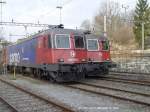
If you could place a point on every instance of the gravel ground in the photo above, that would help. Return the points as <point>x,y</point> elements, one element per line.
<point>84,101</point>
<point>25,102</point>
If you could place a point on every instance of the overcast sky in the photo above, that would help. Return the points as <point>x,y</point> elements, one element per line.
<point>74,12</point>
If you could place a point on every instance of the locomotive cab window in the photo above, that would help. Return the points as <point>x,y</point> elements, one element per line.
<point>49,41</point>
<point>92,45</point>
<point>105,45</point>
<point>44,42</point>
<point>62,41</point>
<point>79,41</point>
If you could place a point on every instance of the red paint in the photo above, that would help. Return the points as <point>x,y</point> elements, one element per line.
<point>52,56</point>
<point>70,56</point>
<point>100,55</point>
<point>43,53</point>
<point>106,56</point>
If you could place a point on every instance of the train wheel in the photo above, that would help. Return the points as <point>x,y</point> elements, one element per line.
<point>35,73</point>
<point>39,73</point>
<point>51,77</point>
<point>107,71</point>
<point>85,73</point>
<point>45,74</point>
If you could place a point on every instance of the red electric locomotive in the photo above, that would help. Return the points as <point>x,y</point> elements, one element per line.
<point>98,55</point>
<point>59,55</point>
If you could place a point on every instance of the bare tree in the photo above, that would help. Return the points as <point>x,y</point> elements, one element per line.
<point>112,11</point>
<point>119,30</point>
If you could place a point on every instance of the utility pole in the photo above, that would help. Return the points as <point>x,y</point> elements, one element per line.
<point>105,25</point>
<point>105,18</point>
<point>60,16</point>
<point>1,35</point>
<point>125,9</point>
<point>125,12</point>
<point>1,2</point>
<point>143,38</point>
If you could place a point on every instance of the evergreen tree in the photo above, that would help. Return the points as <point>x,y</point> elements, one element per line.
<point>142,14</point>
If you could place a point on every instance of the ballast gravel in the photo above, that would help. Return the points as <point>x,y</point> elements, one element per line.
<point>82,101</point>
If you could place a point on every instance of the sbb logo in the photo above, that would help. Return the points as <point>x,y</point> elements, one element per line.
<point>14,58</point>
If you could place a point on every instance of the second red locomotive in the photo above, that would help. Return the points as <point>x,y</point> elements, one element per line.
<point>98,55</point>
<point>60,55</point>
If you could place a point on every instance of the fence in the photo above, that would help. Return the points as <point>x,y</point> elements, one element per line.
<point>132,61</point>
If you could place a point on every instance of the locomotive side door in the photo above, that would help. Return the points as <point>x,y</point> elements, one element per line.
<point>79,46</point>
<point>44,50</point>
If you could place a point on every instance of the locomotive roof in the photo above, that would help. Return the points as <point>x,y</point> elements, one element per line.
<point>49,31</point>
<point>59,31</point>
<point>93,36</point>
<point>65,31</point>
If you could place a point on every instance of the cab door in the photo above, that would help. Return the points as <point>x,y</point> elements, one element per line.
<point>80,49</point>
<point>44,50</point>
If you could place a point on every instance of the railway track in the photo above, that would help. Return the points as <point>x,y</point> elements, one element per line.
<point>5,107</point>
<point>130,74</point>
<point>23,100</point>
<point>136,97</point>
<point>125,79</point>
<point>134,76</point>
<point>126,95</point>
<point>122,80</point>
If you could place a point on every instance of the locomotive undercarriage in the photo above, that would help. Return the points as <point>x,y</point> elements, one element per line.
<point>98,68</point>
<point>64,72</point>
<point>54,72</point>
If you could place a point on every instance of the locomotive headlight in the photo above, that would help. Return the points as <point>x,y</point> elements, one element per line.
<point>107,59</point>
<point>91,59</point>
<point>83,60</point>
<point>61,60</point>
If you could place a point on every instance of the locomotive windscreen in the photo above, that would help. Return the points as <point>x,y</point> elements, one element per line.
<point>92,44</point>
<point>79,42</point>
<point>105,45</point>
<point>62,41</point>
